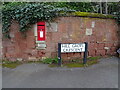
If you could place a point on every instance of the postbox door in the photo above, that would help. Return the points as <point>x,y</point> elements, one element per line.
<point>41,31</point>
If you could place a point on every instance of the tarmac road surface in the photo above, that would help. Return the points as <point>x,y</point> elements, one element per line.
<point>101,75</point>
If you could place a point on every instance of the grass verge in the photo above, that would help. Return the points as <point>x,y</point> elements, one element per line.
<point>10,64</point>
<point>74,65</point>
<point>90,61</point>
<point>14,64</point>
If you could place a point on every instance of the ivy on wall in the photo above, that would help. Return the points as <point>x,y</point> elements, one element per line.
<point>28,13</point>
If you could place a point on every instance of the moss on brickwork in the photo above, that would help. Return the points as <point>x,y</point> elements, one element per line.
<point>87,14</point>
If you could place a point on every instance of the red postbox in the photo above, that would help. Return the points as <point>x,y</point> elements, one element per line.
<point>41,31</point>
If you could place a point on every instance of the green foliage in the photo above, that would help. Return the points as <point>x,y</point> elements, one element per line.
<point>74,65</point>
<point>114,9</point>
<point>94,58</point>
<point>34,61</point>
<point>50,60</point>
<point>28,13</point>
<point>81,6</point>
<point>80,64</point>
<point>117,13</point>
<point>11,64</point>
<point>77,64</point>
<point>78,6</point>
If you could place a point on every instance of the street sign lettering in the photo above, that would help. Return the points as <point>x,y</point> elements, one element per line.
<point>80,47</point>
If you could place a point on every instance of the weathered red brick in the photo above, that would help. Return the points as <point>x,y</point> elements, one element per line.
<point>31,42</point>
<point>100,46</point>
<point>34,53</point>
<point>108,52</point>
<point>93,38</point>
<point>101,52</point>
<point>113,49</point>
<point>108,44</point>
<point>48,54</point>
<point>105,31</point>
<point>30,32</point>
<point>92,45</point>
<point>8,55</point>
<point>69,54</point>
<point>64,56</point>
<point>92,52</point>
<point>76,55</point>
<point>56,37</point>
<point>40,53</point>
<point>115,44</point>
<point>54,54</point>
<point>82,55</point>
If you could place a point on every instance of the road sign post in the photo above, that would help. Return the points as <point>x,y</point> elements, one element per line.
<point>59,54</point>
<point>85,53</point>
<point>72,47</point>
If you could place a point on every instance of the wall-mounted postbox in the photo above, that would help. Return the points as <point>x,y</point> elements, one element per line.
<point>41,31</point>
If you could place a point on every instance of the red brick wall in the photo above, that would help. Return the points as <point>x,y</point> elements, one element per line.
<point>103,41</point>
<point>0,42</point>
